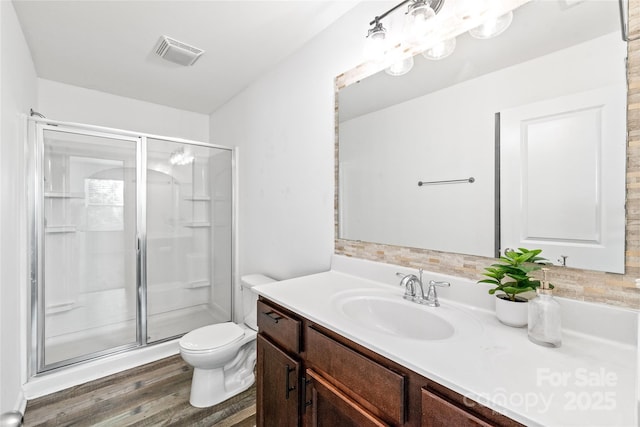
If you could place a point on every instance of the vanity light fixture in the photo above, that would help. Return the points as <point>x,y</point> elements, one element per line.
<point>492,27</point>
<point>418,20</point>
<point>400,68</point>
<point>376,42</point>
<point>440,50</point>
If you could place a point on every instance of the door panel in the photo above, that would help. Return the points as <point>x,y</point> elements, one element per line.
<point>87,291</point>
<point>331,407</point>
<point>561,191</point>
<point>277,390</point>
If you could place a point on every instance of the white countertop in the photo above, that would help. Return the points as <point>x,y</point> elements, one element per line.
<point>589,381</point>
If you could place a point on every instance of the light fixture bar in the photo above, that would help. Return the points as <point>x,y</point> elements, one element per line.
<point>436,5</point>
<point>384,15</point>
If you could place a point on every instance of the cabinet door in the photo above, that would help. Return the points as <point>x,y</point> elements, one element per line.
<point>329,407</point>
<point>278,391</point>
<point>355,374</point>
<point>439,412</point>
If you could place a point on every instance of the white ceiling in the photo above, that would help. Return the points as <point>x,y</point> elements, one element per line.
<point>108,45</point>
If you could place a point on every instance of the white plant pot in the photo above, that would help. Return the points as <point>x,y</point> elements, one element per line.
<point>512,313</point>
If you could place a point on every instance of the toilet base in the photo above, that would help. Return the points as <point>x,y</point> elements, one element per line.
<point>200,398</point>
<point>212,386</point>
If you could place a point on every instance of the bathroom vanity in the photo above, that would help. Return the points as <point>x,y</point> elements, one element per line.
<point>339,349</point>
<point>309,375</point>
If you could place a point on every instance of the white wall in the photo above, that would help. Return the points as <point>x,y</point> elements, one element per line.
<point>59,101</point>
<point>422,140</point>
<point>18,94</point>
<point>284,126</point>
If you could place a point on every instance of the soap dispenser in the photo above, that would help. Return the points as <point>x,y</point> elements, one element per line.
<point>544,316</point>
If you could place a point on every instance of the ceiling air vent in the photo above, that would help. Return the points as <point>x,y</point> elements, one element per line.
<point>178,52</point>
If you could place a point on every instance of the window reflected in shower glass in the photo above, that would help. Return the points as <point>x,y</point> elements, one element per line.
<point>105,204</point>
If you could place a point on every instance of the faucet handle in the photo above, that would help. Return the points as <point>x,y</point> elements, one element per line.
<point>431,299</point>
<point>439,284</point>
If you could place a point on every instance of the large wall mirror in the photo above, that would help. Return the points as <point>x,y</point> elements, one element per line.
<point>536,117</point>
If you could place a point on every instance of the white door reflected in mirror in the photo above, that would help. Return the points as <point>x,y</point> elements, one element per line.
<point>561,191</point>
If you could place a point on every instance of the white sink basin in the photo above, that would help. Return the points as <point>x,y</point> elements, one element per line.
<point>395,316</point>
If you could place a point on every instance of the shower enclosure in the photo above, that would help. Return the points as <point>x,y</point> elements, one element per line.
<point>131,240</point>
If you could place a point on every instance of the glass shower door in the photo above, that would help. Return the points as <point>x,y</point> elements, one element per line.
<point>87,291</point>
<point>188,244</point>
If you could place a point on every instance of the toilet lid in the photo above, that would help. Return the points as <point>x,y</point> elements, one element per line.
<point>212,336</point>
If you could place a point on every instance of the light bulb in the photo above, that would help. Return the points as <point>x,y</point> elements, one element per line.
<point>418,20</point>
<point>401,67</point>
<point>440,50</point>
<point>376,43</point>
<point>492,27</point>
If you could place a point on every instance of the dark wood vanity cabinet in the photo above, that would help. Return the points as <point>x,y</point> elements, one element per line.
<point>279,368</point>
<point>312,377</point>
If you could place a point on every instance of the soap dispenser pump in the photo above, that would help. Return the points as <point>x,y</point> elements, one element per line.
<point>544,316</point>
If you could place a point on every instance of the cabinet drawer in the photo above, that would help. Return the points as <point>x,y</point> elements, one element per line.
<point>378,389</point>
<point>443,407</point>
<point>279,326</point>
<point>439,412</point>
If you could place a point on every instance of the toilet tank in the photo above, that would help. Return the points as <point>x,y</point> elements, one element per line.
<point>250,298</point>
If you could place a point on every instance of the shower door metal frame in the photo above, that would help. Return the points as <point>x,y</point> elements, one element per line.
<point>37,126</point>
<point>36,275</point>
<point>141,242</point>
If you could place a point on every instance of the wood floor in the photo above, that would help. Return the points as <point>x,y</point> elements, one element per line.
<point>156,394</point>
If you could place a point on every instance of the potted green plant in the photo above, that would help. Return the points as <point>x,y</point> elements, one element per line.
<point>511,276</point>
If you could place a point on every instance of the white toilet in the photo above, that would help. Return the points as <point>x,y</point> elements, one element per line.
<point>223,355</point>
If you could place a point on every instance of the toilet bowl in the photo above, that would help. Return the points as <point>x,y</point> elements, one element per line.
<point>223,355</point>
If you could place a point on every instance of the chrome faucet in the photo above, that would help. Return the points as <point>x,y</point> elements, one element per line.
<point>431,299</point>
<point>409,282</point>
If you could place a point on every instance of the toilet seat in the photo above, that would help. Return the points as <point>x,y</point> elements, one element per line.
<point>211,337</point>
